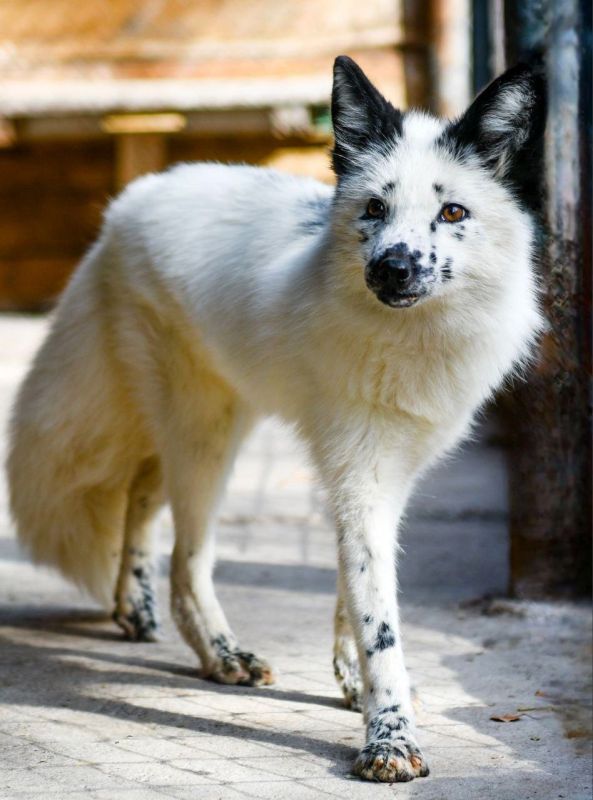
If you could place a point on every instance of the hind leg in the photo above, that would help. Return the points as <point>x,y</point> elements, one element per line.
<point>346,663</point>
<point>198,452</point>
<point>135,602</point>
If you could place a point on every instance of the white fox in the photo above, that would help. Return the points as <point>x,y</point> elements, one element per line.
<point>375,316</point>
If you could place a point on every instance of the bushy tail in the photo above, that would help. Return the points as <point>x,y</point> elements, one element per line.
<point>76,530</point>
<point>64,438</point>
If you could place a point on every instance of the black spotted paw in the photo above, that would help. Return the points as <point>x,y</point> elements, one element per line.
<point>135,607</point>
<point>391,761</point>
<point>231,665</point>
<point>138,624</point>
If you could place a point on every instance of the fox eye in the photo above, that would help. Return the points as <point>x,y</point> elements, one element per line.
<point>375,208</point>
<point>453,213</point>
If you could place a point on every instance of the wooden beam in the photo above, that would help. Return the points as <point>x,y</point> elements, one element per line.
<point>451,36</point>
<point>208,122</point>
<point>415,50</point>
<point>137,154</point>
<point>7,133</point>
<point>144,123</point>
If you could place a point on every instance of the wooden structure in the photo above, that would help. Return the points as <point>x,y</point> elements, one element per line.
<point>93,94</point>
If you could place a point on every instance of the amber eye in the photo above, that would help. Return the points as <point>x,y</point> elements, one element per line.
<point>453,213</point>
<point>375,208</point>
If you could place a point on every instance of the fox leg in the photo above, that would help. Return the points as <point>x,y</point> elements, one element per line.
<point>135,602</point>
<point>346,664</point>
<point>367,563</point>
<point>198,453</point>
<point>368,473</point>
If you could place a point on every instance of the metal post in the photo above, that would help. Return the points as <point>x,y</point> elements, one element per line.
<point>550,465</point>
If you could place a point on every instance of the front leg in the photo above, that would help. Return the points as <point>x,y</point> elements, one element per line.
<point>367,560</point>
<point>368,499</point>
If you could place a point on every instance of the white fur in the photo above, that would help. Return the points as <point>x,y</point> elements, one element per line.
<point>207,302</point>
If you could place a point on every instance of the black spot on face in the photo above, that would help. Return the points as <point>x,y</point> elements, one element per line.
<point>433,257</point>
<point>363,567</point>
<point>367,619</point>
<point>459,236</point>
<point>438,188</point>
<point>433,226</point>
<point>426,274</point>
<point>446,269</point>
<point>389,187</point>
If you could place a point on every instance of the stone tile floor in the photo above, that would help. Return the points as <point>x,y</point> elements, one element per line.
<point>85,714</point>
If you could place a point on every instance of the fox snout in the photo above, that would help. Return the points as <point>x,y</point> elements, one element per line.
<point>397,276</point>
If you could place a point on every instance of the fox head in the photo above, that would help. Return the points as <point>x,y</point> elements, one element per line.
<point>437,209</point>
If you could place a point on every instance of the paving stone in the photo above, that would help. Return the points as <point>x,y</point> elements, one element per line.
<point>228,770</point>
<point>154,772</point>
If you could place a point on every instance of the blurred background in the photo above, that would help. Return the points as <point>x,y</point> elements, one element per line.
<point>93,94</point>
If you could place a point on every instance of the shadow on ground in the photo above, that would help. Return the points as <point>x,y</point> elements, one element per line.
<point>497,663</point>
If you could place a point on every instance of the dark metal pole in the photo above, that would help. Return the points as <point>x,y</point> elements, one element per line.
<point>550,467</point>
<point>481,38</point>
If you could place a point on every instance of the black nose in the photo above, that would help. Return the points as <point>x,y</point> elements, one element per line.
<point>395,270</point>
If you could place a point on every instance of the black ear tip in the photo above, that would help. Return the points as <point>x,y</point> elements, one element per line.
<point>345,64</point>
<point>532,71</point>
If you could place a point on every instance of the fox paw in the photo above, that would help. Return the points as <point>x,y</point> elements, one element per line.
<point>232,665</point>
<point>135,608</point>
<point>391,752</point>
<point>391,761</point>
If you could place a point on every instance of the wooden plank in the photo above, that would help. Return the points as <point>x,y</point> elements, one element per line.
<point>416,19</point>
<point>51,202</point>
<point>144,123</point>
<point>137,154</point>
<point>451,36</point>
<point>33,284</point>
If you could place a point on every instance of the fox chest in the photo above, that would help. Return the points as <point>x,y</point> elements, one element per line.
<point>432,385</point>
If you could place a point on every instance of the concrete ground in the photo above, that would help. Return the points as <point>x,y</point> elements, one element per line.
<point>85,714</point>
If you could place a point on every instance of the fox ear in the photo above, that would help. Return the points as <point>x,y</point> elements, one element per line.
<point>362,118</point>
<point>505,123</point>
